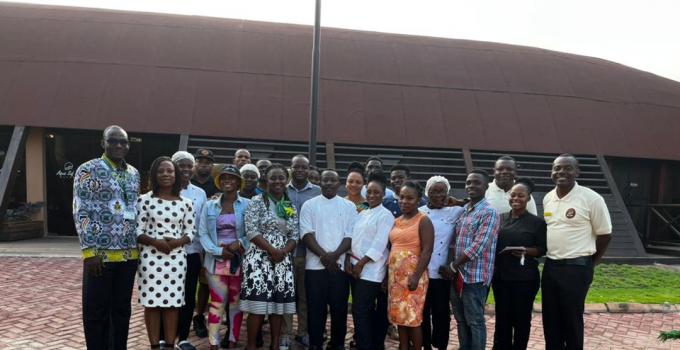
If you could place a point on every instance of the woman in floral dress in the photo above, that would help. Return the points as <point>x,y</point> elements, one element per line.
<point>268,286</point>
<point>412,238</point>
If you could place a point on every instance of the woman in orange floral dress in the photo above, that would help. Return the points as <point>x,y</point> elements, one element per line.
<point>412,238</point>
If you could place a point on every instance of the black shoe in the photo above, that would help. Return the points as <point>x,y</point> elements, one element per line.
<point>199,326</point>
<point>184,345</point>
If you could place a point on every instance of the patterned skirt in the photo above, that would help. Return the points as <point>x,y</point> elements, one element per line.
<point>405,307</point>
<point>267,288</point>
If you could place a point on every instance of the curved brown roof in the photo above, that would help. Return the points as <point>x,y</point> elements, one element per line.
<point>86,68</point>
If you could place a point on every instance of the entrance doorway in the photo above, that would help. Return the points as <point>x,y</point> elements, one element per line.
<point>66,149</point>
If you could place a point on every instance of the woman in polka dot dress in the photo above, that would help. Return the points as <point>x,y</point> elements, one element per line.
<point>165,224</point>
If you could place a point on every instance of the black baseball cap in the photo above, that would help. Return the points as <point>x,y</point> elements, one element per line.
<point>204,153</point>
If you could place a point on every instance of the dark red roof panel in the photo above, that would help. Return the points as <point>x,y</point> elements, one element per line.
<point>87,68</point>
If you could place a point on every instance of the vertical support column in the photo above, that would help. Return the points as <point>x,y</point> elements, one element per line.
<point>35,172</point>
<point>330,154</point>
<point>183,142</point>
<point>467,156</point>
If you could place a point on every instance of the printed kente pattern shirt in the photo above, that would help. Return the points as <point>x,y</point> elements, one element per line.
<point>475,236</point>
<point>104,210</point>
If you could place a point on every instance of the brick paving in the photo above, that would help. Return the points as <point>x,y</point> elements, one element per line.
<point>40,309</point>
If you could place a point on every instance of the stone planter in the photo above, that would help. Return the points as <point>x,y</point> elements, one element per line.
<point>18,230</point>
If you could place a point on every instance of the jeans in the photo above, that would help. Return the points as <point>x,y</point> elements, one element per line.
<point>468,310</point>
<point>107,305</point>
<point>437,314</point>
<point>564,289</point>
<point>370,315</point>
<point>326,289</point>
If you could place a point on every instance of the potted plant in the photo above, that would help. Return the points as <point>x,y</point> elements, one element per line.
<point>17,223</point>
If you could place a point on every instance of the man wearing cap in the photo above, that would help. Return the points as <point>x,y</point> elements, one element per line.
<point>498,193</point>
<point>241,157</point>
<point>579,231</point>
<point>203,179</point>
<point>105,193</point>
<point>185,162</point>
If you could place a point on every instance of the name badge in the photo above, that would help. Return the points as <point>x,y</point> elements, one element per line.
<point>547,214</point>
<point>129,215</point>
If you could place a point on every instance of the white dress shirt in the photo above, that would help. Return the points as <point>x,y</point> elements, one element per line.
<point>197,196</point>
<point>330,220</point>
<point>444,221</point>
<point>369,238</point>
<point>500,200</point>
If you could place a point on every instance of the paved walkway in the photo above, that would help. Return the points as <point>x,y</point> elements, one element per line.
<point>40,309</point>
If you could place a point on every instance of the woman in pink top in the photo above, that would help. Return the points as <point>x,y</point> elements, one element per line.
<point>412,238</point>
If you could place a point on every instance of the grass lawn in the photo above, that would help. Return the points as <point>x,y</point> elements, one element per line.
<point>631,284</point>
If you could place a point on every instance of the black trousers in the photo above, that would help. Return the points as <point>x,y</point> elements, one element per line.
<point>437,314</point>
<point>514,304</point>
<point>186,313</point>
<point>106,306</point>
<point>370,315</point>
<point>564,289</point>
<point>327,289</point>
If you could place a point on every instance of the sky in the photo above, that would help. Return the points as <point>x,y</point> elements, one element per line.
<point>641,34</point>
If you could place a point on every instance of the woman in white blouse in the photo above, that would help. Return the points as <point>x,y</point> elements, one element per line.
<point>436,314</point>
<point>366,263</point>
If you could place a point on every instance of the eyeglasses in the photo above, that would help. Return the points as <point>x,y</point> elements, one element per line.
<point>113,142</point>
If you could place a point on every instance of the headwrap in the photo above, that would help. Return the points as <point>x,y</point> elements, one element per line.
<point>181,155</point>
<point>437,180</point>
<point>250,167</point>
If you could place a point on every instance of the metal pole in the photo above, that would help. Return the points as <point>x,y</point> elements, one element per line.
<point>314,98</point>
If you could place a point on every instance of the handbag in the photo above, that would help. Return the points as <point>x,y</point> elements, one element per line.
<point>231,267</point>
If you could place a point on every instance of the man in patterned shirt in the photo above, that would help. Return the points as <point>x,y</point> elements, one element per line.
<point>472,262</point>
<point>105,193</point>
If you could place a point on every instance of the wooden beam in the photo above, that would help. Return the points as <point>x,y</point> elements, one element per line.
<point>15,154</point>
<point>637,242</point>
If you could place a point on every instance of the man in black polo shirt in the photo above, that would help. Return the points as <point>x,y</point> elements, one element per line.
<point>202,178</point>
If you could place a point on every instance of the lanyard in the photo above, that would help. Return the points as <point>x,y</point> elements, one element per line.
<point>119,175</point>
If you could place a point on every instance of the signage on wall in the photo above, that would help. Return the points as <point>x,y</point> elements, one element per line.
<point>66,172</point>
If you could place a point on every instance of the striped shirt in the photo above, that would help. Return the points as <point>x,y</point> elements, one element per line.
<point>476,233</point>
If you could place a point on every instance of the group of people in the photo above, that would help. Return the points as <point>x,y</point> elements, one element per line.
<point>266,241</point>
